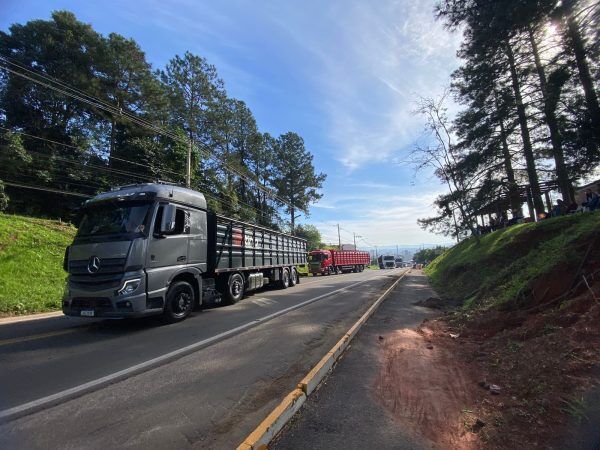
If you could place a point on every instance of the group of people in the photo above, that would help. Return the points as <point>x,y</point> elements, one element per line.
<point>590,203</point>
<point>500,222</point>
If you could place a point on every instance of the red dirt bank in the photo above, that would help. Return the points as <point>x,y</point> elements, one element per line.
<point>544,359</point>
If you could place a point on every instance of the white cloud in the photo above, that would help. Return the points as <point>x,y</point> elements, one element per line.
<point>387,219</point>
<point>374,59</point>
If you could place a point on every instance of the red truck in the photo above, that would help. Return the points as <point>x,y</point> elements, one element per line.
<point>330,262</point>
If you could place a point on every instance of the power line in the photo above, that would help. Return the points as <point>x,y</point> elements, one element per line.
<point>38,188</point>
<point>119,172</point>
<point>80,148</point>
<point>98,103</point>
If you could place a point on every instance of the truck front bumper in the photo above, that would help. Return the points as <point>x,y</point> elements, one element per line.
<point>108,303</point>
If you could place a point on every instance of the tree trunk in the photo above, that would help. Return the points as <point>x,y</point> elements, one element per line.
<point>591,99</point>
<point>527,147</point>
<point>564,183</point>
<point>513,191</point>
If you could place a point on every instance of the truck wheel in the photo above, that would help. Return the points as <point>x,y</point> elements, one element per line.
<point>180,302</point>
<point>294,277</point>
<point>234,291</point>
<point>285,279</point>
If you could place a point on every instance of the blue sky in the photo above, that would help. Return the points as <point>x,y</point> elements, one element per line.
<point>343,74</point>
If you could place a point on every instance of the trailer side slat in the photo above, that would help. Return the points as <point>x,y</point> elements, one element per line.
<point>243,246</point>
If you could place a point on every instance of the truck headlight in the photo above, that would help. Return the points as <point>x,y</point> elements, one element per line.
<point>129,287</point>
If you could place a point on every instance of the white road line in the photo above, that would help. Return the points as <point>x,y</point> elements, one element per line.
<point>44,402</point>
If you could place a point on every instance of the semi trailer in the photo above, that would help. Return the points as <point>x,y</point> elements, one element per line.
<point>329,262</point>
<point>155,249</point>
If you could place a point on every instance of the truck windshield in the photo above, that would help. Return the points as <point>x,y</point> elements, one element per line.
<point>317,257</point>
<point>388,258</point>
<point>112,218</point>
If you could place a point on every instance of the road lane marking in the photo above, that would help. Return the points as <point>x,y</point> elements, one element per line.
<point>50,400</point>
<point>35,337</point>
<point>274,422</point>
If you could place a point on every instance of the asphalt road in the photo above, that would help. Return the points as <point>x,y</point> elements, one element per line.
<point>212,397</point>
<point>345,411</point>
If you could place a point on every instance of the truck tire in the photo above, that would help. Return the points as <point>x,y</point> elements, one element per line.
<point>355,269</point>
<point>179,303</point>
<point>294,277</point>
<point>234,291</point>
<point>284,282</point>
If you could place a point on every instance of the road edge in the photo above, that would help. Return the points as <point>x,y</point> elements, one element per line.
<point>262,435</point>
<point>28,317</point>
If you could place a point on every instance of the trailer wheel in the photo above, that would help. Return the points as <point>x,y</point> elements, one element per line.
<point>285,279</point>
<point>294,277</point>
<point>180,302</point>
<point>234,290</point>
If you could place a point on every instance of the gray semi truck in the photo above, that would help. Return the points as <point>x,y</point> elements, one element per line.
<point>155,249</point>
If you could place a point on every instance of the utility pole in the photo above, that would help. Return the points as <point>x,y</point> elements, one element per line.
<point>397,254</point>
<point>188,167</point>
<point>355,236</point>
<point>339,238</point>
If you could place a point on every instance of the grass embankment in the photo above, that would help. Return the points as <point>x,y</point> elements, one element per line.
<point>31,257</point>
<point>504,265</point>
<point>528,321</point>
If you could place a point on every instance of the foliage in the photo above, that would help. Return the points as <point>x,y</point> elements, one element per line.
<point>311,234</point>
<point>125,122</point>
<point>506,262</point>
<point>528,85</point>
<point>32,250</point>
<point>426,255</point>
<point>3,198</point>
<point>295,178</point>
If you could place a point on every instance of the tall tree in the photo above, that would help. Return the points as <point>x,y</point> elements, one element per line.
<point>295,179</point>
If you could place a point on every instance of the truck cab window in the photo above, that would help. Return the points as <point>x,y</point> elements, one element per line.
<point>182,221</point>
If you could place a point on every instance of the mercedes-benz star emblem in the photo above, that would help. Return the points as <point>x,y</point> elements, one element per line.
<point>93,264</point>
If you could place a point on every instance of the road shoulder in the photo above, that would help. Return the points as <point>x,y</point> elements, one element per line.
<point>366,402</point>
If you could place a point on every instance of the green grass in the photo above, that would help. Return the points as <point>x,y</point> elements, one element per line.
<point>31,255</point>
<point>505,263</point>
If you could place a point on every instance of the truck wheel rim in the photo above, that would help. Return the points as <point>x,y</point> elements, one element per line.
<point>236,288</point>
<point>181,303</point>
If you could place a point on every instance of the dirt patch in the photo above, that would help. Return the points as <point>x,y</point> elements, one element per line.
<point>544,362</point>
<point>437,303</point>
<point>496,378</point>
<point>426,389</point>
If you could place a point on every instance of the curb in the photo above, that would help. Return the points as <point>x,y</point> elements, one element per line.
<point>260,438</point>
<point>29,317</point>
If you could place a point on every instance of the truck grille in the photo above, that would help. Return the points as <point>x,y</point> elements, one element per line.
<point>96,303</point>
<point>108,276</point>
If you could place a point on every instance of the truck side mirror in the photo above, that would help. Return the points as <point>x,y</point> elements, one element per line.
<point>167,223</point>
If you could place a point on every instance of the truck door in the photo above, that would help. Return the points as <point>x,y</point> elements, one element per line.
<point>167,251</point>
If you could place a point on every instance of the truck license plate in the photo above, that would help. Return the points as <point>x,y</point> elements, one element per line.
<point>87,312</point>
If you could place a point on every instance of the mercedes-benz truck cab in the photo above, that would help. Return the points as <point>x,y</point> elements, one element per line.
<point>155,249</point>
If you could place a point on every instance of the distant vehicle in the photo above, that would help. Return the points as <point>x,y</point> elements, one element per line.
<point>398,262</point>
<point>386,261</point>
<point>155,248</point>
<point>330,262</point>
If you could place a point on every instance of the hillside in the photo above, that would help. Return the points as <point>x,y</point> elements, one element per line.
<point>526,318</point>
<point>509,264</point>
<point>31,257</point>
